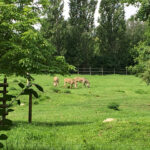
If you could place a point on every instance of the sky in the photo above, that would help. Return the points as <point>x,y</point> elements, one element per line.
<point>131,10</point>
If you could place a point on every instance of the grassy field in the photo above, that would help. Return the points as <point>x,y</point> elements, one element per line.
<point>72,119</point>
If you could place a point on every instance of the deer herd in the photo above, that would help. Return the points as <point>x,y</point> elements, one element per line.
<point>72,82</point>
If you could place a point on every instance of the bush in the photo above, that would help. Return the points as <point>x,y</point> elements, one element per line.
<point>113,106</point>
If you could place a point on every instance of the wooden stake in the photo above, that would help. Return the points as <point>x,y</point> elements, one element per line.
<point>30,108</point>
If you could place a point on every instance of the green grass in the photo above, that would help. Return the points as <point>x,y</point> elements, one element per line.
<point>72,119</point>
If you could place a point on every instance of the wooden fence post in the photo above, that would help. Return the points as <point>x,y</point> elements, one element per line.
<point>3,99</point>
<point>114,71</point>
<point>102,71</point>
<point>90,70</point>
<point>30,108</point>
<point>78,71</point>
<point>126,71</point>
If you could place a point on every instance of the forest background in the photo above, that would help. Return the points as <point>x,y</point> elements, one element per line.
<point>114,42</point>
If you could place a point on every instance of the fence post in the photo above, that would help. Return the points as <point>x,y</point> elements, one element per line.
<point>30,108</point>
<point>90,70</point>
<point>102,71</point>
<point>114,71</point>
<point>78,71</point>
<point>126,71</point>
<point>3,99</point>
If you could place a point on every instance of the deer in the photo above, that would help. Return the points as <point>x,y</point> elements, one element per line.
<point>85,82</point>
<point>69,81</point>
<point>55,81</point>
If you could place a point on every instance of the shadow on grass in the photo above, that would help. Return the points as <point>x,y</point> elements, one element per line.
<point>49,124</point>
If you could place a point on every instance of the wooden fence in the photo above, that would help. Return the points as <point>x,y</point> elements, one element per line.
<point>3,99</point>
<point>102,71</point>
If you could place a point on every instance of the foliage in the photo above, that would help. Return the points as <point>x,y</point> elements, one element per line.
<point>142,51</point>
<point>23,48</point>
<point>53,26</point>
<point>135,30</point>
<point>28,88</point>
<point>79,38</point>
<point>111,34</point>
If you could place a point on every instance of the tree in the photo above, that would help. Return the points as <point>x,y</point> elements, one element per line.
<point>142,50</point>
<point>53,26</point>
<point>79,39</point>
<point>135,33</point>
<point>23,48</point>
<point>111,33</point>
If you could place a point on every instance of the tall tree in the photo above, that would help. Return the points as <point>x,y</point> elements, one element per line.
<point>53,26</point>
<point>135,30</point>
<point>79,39</point>
<point>111,33</point>
<point>135,33</point>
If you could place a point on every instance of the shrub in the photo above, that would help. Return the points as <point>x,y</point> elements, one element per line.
<point>113,106</point>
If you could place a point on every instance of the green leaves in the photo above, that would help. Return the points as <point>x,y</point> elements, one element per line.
<point>18,102</point>
<point>3,137</point>
<point>10,110</point>
<point>111,34</point>
<point>1,145</point>
<point>34,93</point>
<point>39,87</point>
<point>21,85</point>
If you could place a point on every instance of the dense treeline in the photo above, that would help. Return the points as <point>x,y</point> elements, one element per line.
<point>115,42</point>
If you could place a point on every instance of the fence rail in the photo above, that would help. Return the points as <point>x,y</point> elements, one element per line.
<point>102,71</point>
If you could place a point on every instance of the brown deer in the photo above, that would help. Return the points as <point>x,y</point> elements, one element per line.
<point>55,81</point>
<point>85,82</point>
<point>69,81</point>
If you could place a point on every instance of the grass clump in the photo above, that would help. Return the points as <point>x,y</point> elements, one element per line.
<point>55,90</point>
<point>140,91</point>
<point>36,102</point>
<point>67,91</point>
<point>15,80</point>
<point>114,106</point>
<point>42,98</point>
<point>12,88</point>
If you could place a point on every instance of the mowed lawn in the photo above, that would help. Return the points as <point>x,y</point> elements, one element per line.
<point>72,119</point>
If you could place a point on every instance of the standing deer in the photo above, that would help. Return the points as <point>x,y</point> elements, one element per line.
<point>55,81</point>
<point>85,82</point>
<point>69,81</point>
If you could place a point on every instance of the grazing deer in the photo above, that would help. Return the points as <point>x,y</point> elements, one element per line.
<point>85,82</point>
<point>55,81</point>
<point>69,81</point>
